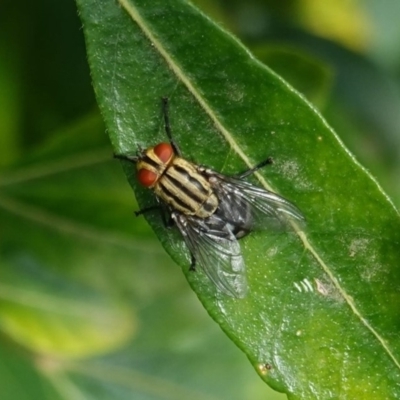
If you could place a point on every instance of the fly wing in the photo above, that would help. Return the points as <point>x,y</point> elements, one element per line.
<point>216,251</point>
<point>250,207</point>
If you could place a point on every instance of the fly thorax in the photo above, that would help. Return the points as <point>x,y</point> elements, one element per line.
<point>186,190</point>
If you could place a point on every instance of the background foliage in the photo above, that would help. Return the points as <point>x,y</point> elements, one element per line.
<point>85,310</point>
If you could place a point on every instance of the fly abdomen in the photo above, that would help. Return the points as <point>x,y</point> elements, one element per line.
<point>186,190</point>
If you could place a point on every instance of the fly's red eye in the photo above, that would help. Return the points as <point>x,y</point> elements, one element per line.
<point>164,152</point>
<point>146,177</point>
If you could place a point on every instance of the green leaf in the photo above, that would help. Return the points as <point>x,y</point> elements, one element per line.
<point>321,318</point>
<point>19,379</point>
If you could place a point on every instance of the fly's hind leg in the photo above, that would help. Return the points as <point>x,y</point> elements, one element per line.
<point>192,263</point>
<point>250,171</point>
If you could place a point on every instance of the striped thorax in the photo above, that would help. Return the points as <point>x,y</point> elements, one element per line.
<point>176,181</point>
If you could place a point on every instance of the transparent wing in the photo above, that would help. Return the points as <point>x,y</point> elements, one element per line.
<point>250,207</point>
<point>216,252</point>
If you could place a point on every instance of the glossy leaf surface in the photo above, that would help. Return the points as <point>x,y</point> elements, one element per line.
<point>321,319</point>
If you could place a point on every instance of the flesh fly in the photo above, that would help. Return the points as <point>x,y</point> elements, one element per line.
<point>212,211</point>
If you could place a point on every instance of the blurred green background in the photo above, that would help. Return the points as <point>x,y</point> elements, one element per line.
<point>90,305</point>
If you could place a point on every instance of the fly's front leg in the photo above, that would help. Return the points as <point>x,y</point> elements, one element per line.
<point>165,103</point>
<point>132,159</point>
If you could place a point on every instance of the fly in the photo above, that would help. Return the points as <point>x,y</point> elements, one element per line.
<point>212,211</point>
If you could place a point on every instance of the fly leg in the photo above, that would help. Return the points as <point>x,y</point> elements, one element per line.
<point>147,209</point>
<point>167,222</point>
<point>192,263</point>
<point>165,103</point>
<point>250,171</point>
<point>132,159</point>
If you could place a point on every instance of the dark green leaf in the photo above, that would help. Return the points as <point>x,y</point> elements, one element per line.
<point>50,299</point>
<point>19,378</point>
<point>321,319</point>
